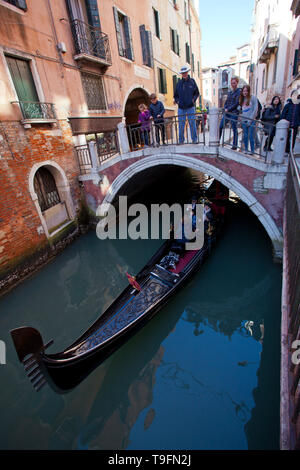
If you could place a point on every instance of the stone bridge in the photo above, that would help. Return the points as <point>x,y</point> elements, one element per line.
<point>260,184</point>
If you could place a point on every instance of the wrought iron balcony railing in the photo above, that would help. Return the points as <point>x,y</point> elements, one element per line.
<point>269,43</point>
<point>91,42</point>
<point>36,111</point>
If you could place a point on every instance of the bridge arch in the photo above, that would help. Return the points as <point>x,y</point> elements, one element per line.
<point>189,162</point>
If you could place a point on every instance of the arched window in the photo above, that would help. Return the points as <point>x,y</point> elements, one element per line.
<point>45,188</point>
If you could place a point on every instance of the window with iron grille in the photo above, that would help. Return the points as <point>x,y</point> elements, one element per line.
<point>93,90</point>
<point>45,188</point>
<point>18,3</point>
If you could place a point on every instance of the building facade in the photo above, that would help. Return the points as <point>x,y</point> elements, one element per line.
<point>270,47</point>
<point>238,66</point>
<point>70,71</point>
<point>210,87</point>
<point>176,42</point>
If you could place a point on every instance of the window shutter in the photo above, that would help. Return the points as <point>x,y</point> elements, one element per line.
<point>295,66</point>
<point>21,4</point>
<point>175,80</point>
<point>193,62</point>
<point>144,45</point>
<point>177,44</point>
<point>129,47</point>
<point>157,23</point>
<point>69,8</point>
<point>150,49</point>
<point>164,81</point>
<point>93,13</point>
<point>118,32</point>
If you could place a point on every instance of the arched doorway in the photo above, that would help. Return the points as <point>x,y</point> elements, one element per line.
<point>136,97</point>
<point>50,191</point>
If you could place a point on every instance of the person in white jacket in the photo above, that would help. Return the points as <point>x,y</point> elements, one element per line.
<point>248,108</point>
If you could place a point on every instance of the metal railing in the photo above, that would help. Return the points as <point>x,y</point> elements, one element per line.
<point>250,136</point>
<point>84,159</point>
<point>292,237</point>
<point>107,145</point>
<point>91,41</point>
<point>36,110</point>
<point>173,130</point>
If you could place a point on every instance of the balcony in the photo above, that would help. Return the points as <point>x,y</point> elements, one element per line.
<point>91,44</point>
<point>270,43</point>
<point>36,112</point>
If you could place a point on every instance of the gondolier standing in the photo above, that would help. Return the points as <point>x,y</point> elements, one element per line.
<point>186,95</point>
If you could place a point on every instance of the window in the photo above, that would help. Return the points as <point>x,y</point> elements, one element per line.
<point>162,82</point>
<point>193,63</point>
<point>156,23</point>
<point>174,39</point>
<point>175,79</point>
<point>93,90</point>
<point>198,63</point>
<point>263,81</point>
<point>296,62</point>
<point>22,78</point>
<point>147,51</point>
<point>124,38</point>
<point>187,53</point>
<point>275,67</point>
<point>18,3</point>
<point>185,11</point>
<point>45,188</point>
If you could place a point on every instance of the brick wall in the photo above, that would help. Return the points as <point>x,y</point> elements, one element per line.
<point>20,149</point>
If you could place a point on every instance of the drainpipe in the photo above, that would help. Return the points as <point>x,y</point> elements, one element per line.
<point>58,52</point>
<point>190,34</point>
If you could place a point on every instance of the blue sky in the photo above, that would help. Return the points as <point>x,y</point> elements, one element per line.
<point>225,25</point>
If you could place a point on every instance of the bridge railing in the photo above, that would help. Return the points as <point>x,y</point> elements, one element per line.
<point>174,130</point>
<point>290,370</point>
<point>236,132</point>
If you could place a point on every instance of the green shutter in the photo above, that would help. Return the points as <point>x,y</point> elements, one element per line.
<point>129,46</point>
<point>22,79</point>
<point>177,44</point>
<point>118,32</point>
<point>164,81</point>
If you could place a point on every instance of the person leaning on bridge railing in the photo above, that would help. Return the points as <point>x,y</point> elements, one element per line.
<point>291,112</point>
<point>248,105</point>
<point>270,117</point>
<point>186,95</point>
<point>157,111</point>
<point>231,110</point>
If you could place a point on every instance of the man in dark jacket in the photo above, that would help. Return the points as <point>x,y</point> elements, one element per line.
<point>291,112</point>
<point>231,110</point>
<point>157,111</point>
<point>186,94</point>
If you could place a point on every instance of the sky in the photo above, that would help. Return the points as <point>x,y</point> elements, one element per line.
<point>225,25</point>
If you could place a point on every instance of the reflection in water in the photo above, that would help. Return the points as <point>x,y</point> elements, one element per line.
<point>203,374</point>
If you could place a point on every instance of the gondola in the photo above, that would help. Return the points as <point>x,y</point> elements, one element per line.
<point>129,312</point>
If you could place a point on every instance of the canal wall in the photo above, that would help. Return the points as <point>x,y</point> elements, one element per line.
<point>24,227</point>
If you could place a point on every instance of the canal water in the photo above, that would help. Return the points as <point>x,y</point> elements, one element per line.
<point>203,374</point>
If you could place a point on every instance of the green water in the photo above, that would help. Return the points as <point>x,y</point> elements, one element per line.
<point>194,378</point>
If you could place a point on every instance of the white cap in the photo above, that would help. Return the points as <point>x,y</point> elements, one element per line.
<point>184,69</point>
